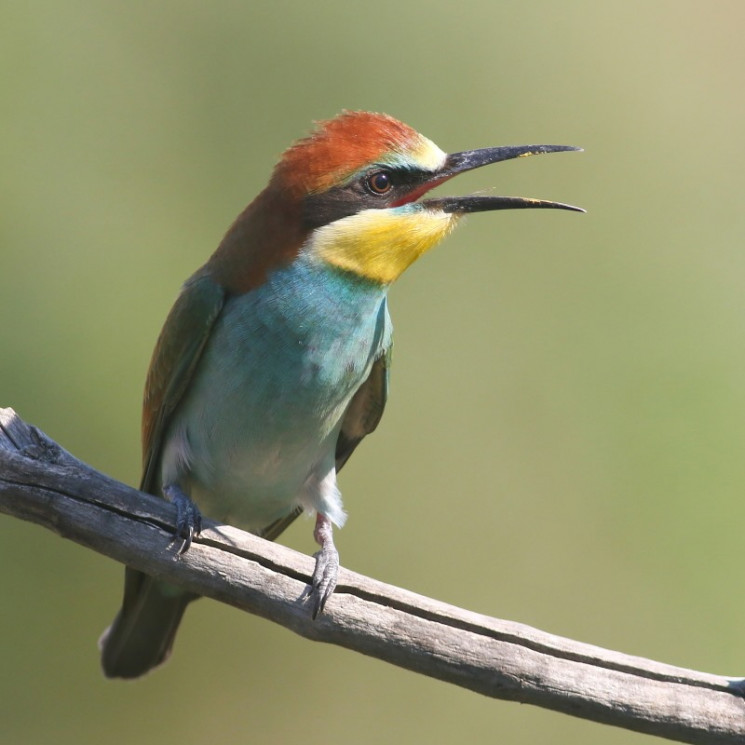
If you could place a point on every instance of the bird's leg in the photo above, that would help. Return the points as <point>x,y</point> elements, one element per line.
<point>188,516</point>
<point>327,564</point>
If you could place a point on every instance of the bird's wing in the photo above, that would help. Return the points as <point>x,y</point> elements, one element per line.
<point>175,358</point>
<point>365,409</point>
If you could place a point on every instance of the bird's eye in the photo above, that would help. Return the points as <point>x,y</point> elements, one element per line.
<point>379,182</point>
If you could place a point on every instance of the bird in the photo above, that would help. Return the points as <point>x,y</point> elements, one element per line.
<point>274,362</point>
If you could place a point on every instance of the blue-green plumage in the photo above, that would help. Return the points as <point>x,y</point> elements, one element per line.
<point>256,434</point>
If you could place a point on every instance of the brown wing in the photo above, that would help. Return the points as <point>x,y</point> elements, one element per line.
<point>365,409</point>
<point>175,358</point>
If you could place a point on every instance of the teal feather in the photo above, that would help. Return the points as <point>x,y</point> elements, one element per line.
<point>256,434</point>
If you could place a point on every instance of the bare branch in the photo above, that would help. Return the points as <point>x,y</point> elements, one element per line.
<point>41,482</point>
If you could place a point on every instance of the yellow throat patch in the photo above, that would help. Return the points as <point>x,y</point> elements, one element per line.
<point>380,245</point>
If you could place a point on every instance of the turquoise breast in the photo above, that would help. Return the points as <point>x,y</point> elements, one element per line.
<point>256,434</point>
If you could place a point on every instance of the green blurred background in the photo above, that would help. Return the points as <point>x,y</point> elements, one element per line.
<point>563,442</point>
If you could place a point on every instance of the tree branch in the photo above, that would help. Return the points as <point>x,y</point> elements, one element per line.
<point>42,483</point>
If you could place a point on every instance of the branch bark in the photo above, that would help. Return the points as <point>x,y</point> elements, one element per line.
<point>42,483</point>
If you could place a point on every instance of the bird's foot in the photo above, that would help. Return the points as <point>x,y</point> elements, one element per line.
<point>325,574</point>
<point>188,517</point>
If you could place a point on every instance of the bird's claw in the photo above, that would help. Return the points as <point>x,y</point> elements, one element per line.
<point>324,578</point>
<point>188,518</point>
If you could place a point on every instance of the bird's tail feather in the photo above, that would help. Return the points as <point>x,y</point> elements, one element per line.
<point>142,634</point>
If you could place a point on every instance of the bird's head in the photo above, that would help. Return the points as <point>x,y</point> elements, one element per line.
<point>349,194</point>
<point>359,177</point>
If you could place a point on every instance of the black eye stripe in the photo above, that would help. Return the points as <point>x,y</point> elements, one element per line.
<point>360,194</point>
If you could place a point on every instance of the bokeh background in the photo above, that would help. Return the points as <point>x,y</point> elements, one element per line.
<point>564,440</point>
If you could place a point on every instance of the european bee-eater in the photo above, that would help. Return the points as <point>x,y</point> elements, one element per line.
<point>273,364</point>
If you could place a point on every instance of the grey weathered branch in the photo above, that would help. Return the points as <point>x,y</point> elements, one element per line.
<point>41,482</point>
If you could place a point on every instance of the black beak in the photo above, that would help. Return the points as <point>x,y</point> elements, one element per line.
<point>469,159</point>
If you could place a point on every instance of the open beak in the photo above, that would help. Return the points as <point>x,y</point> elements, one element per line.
<point>469,159</point>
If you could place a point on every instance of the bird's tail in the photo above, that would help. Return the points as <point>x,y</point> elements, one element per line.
<point>142,634</point>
